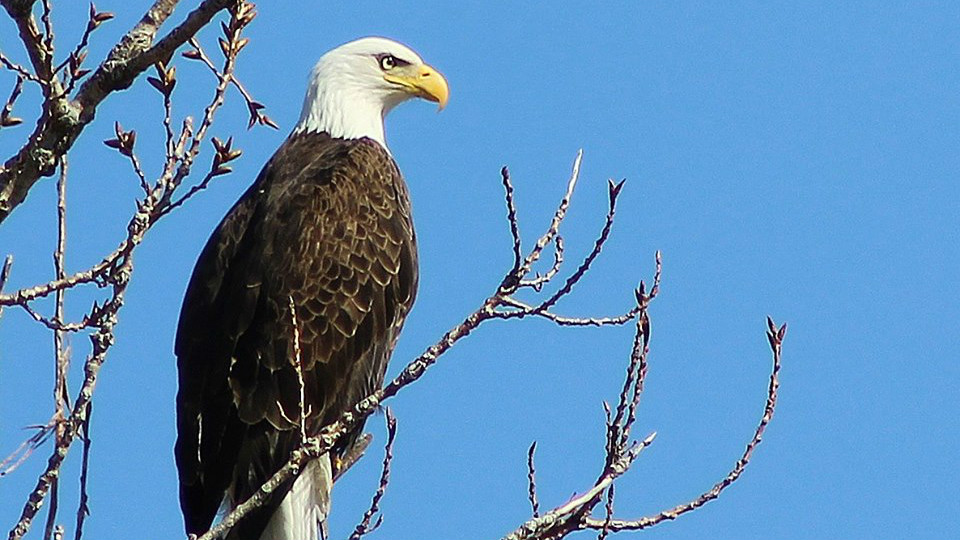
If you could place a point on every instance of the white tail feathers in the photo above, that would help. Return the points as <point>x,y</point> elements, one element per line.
<point>303,513</point>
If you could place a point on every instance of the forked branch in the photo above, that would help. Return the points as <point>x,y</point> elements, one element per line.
<point>574,515</point>
<point>67,117</point>
<point>775,336</point>
<point>71,419</point>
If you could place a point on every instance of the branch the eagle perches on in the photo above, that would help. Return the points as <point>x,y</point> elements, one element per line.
<point>71,96</point>
<point>621,449</point>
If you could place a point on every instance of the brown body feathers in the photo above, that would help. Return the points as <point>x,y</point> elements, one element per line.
<point>327,222</point>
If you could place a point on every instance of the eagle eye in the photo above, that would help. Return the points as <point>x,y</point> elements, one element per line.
<point>388,62</point>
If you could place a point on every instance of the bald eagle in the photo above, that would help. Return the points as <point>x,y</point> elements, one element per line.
<point>327,224</point>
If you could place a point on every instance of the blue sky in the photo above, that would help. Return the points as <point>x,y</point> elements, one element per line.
<point>799,161</point>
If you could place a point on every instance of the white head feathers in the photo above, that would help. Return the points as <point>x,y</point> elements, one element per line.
<point>354,86</point>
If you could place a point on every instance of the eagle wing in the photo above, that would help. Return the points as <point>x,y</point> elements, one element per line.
<point>326,224</point>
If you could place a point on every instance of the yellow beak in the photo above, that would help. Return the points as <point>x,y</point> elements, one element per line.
<point>422,81</point>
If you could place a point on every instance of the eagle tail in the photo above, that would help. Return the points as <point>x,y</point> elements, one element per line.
<point>302,515</point>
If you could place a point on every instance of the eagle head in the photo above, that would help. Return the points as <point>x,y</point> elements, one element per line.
<point>354,86</point>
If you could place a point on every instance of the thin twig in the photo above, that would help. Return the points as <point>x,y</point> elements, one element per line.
<point>618,432</point>
<point>199,54</point>
<point>655,290</point>
<point>59,352</point>
<point>39,54</point>
<point>539,281</point>
<point>76,57</point>
<point>169,144</point>
<point>92,274</point>
<point>83,508</point>
<point>190,154</point>
<point>253,106</point>
<point>532,480</point>
<point>58,253</point>
<point>512,280</point>
<point>608,513</point>
<point>5,119</point>
<point>135,162</point>
<point>613,192</point>
<point>298,366</point>
<point>616,424</point>
<point>23,451</point>
<point>202,185</point>
<point>4,276</point>
<point>525,310</point>
<point>84,40</point>
<point>364,526</point>
<point>638,357</point>
<point>54,323</point>
<point>52,509</point>
<point>21,71</point>
<point>512,218</point>
<point>47,28</point>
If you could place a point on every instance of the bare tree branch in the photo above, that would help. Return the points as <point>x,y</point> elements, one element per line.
<point>613,192</point>
<point>40,56</point>
<point>115,270</point>
<point>66,118</point>
<point>62,120</point>
<point>59,352</point>
<point>775,335</point>
<point>608,512</point>
<point>47,29</point>
<point>524,310</point>
<point>513,278</point>
<point>330,434</point>
<point>21,71</point>
<point>52,509</point>
<point>562,516</point>
<point>539,281</point>
<point>575,515</point>
<point>75,60</point>
<point>364,527</point>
